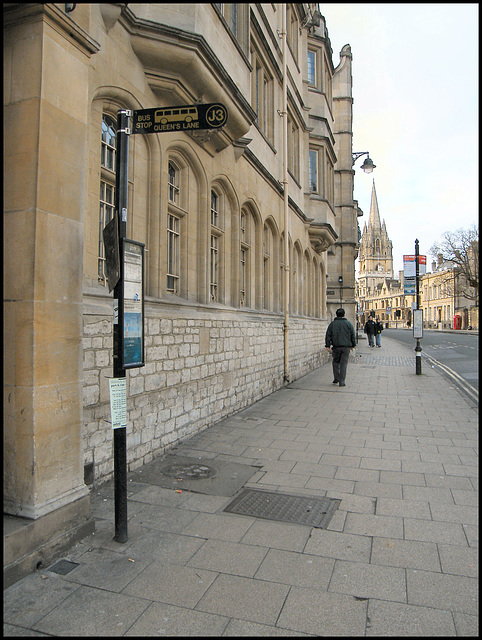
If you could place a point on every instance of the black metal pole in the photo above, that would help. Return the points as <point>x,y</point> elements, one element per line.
<point>120,448</point>
<point>418,348</point>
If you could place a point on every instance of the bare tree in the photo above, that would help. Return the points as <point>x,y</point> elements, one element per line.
<point>461,248</point>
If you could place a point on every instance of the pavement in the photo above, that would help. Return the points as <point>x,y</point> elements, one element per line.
<point>392,458</point>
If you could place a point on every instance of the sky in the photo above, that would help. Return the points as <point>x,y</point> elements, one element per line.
<point>415,110</point>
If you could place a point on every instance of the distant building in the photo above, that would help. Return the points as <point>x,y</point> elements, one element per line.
<point>381,295</point>
<point>443,301</point>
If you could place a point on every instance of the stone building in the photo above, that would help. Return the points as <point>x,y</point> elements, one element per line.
<point>244,228</point>
<point>442,298</point>
<point>375,253</point>
<point>379,293</point>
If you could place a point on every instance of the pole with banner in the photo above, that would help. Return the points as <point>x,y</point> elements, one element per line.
<point>120,438</point>
<point>125,269</point>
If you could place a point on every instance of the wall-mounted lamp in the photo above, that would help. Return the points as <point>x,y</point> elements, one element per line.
<point>368,165</point>
<point>69,7</point>
<point>340,279</point>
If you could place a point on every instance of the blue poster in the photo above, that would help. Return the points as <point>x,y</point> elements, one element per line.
<point>133,303</point>
<point>132,338</point>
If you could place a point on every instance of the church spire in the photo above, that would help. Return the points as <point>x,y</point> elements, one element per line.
<point>374,221</point>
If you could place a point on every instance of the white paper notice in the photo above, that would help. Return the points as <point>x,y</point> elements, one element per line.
<point>118,402</point>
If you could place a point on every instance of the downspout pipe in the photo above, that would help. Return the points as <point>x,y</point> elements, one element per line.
<point>287,270</point>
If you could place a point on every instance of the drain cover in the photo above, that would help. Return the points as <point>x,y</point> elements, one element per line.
<point>63,567</point>
<point>211,477</point>
<point>189,471</point>
<point>315,512</point>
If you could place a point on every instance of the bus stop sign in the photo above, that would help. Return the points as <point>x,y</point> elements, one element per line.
<point>183,118</point>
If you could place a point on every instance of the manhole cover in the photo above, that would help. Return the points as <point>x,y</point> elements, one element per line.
<point>209,476</point>
<point>63,567</point>
<point>315,512</point>
<point>190,471</point>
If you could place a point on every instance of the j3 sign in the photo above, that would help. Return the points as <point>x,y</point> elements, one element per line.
<point>182,118</point>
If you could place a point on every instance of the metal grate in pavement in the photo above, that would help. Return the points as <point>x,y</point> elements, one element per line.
<point>315,512</point>
<point>63,567</point>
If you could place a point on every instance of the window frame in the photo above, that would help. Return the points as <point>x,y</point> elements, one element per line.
<point>235,17</point>
<point>292,30</point>
<point>174,183</point>
<point>293,146</point>
<point>107,181</point>
<point>268,248</point>
<point>262,88</point>
<point>245,258</point>
<point>173,254</point>
<point>312,76</point>
<point>216,247</point>
<point>314,167</point>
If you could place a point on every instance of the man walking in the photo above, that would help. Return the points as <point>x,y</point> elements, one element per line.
<point>340,335</point>
<point>370,331</point>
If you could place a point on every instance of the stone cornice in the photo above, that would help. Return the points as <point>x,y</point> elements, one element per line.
<point>18,13</point>
<point>322,236</point>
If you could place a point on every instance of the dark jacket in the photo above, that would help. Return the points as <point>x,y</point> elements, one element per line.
<point>370,327</point>
<point>378,327</point>
<point>340,333</point>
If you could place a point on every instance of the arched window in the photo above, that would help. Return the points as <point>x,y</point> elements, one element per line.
<point>245,258</point>
<point>308,282</point>
<point>216,264</point>
<point>173,252</point>
<point>297,281</point>
<point>267,267</point>
<point>107,186</point>
<point>177,226</point>
<point>174,189</point>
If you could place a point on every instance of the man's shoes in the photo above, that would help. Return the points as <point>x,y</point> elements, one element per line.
<point>342,384</point>
<point>335,381</point>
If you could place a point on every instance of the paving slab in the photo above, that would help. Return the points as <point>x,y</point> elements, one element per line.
<point>29,600</point>
<point>397,619</point>
<point>459,560</point>
<point>245,628</point>
<point>92,612</point>
<point>443,591</point>
<point>171,584</point>
<point>374,525</point>
<point>297,569</point>
<point>406,553</point>
<point>430,531</point>
<point>320,613</point>
<point>277,535</point>
<point>343,546</point>
<point>245,598</point>
<point>229,557</point>
<point>369,581</point>
<point>168,620</point>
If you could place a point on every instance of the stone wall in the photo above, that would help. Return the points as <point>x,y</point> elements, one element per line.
<point>202,364</point>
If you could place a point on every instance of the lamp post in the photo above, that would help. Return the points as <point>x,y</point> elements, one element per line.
<point>418,348</point>
<point>367,165</point>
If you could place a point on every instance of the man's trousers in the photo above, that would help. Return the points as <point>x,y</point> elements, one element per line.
<point>340,362</point>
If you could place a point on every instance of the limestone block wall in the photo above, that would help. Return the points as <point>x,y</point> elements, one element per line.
<point>201,365</point>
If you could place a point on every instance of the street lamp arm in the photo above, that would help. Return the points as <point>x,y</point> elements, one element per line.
<point>368,165</point>
<point>358,154</point>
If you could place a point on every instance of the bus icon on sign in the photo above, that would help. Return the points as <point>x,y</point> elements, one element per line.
<point>181,114</point>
